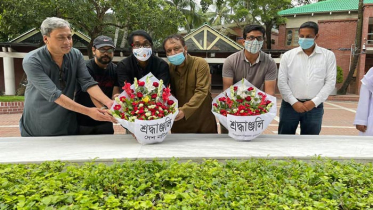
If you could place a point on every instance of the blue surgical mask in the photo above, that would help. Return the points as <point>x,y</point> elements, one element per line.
<point>306,43</point>
<point>176,59</point>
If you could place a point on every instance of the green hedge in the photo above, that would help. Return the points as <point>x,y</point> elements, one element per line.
<point>339,75</point>
<point>11,98</point>
<point>252,184</point>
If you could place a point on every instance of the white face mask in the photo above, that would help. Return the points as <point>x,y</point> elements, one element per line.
<point>142,54</point>
<point>253,46</point>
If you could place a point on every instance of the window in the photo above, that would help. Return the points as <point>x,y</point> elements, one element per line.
<point>292,37</point>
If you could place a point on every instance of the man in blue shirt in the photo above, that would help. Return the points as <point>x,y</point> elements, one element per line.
<point>53,71</point>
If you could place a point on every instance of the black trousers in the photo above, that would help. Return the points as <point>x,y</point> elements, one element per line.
<point>104,128</point>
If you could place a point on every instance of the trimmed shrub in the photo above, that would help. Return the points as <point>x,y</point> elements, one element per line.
<point>339,74</point>
<point>252,184</point>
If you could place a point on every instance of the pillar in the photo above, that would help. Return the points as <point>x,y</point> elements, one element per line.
<point>9,77</point>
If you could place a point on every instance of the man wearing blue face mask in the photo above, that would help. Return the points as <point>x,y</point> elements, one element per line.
<point>251,63</point>
<point>307,76</point>
<point>141,61</point>
<point>190,84</point>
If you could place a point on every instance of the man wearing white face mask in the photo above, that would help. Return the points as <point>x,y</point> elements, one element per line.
<point>141,61</point>
<point>306,77</point>
<point>251,63</point>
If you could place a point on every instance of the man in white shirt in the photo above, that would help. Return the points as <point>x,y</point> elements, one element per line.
<point>364,115</point>
<point>307,76</point>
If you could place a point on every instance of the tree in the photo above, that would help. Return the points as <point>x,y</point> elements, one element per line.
<point>20,16</point>
<point>156,17</point>
<point>190,10</point>
<point>220,15</point>
<point>266,12</point>
<point>297,3</point>
<point>93,17</point>
<point>356,52</point>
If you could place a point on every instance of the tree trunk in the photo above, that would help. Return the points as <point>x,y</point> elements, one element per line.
<point>268,35</point>
<point>89,48</point>
<point>116,36</point>
<point>356,51</point>
<point>124,38</point>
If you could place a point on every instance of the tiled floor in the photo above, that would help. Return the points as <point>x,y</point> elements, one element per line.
<point>338,119</point>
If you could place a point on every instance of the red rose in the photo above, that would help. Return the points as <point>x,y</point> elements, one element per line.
<point>235,88</point>
<point>154,96</point>
<point>117,107</point>
<point>215,105</point>
<point>159,104</point>
<point>122,99</point>
<point>170,102</point>
<point>250,88</point>
<point>241,107</point>
<point>155,84</point>
<point>141,83</point>
<point>239,100</point>
<point>248,98</point>
<point>222,99</point>
<point>223,112</point>
<point>139,94</point>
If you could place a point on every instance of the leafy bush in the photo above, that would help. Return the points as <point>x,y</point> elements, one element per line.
<point>252,184</point>
<point>339,74</point>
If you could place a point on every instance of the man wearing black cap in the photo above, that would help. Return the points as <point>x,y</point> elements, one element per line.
<point>103,71</point>
<point>142,61</point>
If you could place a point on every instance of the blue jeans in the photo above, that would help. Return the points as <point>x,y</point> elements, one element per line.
<point>310,122</point>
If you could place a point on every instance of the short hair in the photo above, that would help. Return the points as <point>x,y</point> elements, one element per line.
<point>174,36</point>
<point>250,28</point>
<point>138,33</point>
<point>52,23</point>
<point>310,24</point>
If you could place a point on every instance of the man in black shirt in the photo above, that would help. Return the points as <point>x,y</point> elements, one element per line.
<point>103,71</point>
<point>142,61</point>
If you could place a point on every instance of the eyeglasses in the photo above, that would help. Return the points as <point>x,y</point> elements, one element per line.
<point>111,50</point>
<point>145,45</point>
<point>62,79</point>
<point>251,38</point>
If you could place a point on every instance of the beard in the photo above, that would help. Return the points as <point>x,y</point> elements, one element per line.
<point>104,59</point>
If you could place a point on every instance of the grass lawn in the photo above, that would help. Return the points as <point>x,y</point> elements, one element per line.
<point>11,98</point>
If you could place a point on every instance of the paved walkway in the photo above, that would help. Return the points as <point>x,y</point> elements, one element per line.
<point>106,148</point>
<point>338,119</point>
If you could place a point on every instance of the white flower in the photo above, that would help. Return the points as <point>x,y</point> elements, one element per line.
<point>132,118</point>
<point>148,114</point>
<point>149,85</point>
<point>253,93</point>
<point>241,91</point>
<point>135,83</point>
